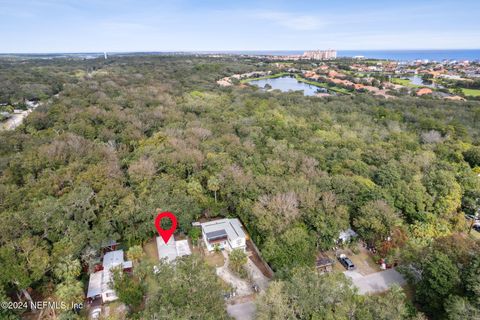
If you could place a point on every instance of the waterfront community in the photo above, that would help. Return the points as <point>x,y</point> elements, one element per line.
<point>451,80</point>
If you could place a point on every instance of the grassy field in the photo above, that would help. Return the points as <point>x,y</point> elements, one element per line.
<point>150,249</point>
<point>471,92</point>
<point>468,92</point>
<point>214,259</point>
<point>404,82</point>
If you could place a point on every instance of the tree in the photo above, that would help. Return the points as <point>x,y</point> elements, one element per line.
<point>390,306</point>
<point>321,296</point>
<point>128,289</point>
<point>472,156</point>
<point>195,234</point>
<point>70,292</point>
<point>411,199</point>
<point>328,218</point>
<point>188,290</point>
<point>274,304</point>
<point>25,266</point>
<point>135,253</point>
<point>445,191</point>
<point>294,248</point>
<point>439,279</point>
<point>213,184</point>
<point>238,258</point>
<point>309,295</point>
<point>472,280</point>
<point>276,212</point>
<point>375,221</point>
<point>5,313</point>
<point>67,269</point>
<point>388,174</point>
<point>460,308</point>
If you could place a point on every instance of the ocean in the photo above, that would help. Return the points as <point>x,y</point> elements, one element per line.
<point>399,55</point>
<point>409,55</point>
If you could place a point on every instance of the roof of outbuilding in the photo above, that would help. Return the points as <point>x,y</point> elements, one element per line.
<point>113,259</point>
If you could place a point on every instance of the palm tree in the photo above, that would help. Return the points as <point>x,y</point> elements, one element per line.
<point>213,185</point>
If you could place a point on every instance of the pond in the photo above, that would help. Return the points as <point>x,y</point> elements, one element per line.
<point>286,84</point>
<point>417,80</point>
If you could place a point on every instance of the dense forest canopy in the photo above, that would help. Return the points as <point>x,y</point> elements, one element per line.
<point>114,140</point>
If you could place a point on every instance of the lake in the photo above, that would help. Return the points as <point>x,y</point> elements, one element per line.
<point>417,80</point>
<point>286,84</point>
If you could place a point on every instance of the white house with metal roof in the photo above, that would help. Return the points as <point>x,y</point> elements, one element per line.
<point>99,284</point>
<point>172,249</point>
<point>224,233</point>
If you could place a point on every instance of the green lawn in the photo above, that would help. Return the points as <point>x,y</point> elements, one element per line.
<point>404,82</point>
<point>471,92</point>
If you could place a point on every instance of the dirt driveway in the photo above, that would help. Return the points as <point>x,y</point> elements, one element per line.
<point>362,260</point>
<point>242,311</point>
<point>256,275</point>
<point>242,287</point>
<point>375,282</point>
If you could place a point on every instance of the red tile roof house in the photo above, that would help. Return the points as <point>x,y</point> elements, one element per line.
<point>424,91</point>
<point>309,74</point>
<point>358,86</point>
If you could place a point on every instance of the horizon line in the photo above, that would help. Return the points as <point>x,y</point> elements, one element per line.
<point>229,50</point>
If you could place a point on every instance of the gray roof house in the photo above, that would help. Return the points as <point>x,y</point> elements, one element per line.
<point>224,233</point>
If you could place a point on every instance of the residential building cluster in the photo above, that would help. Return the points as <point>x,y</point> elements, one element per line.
<point>223,234</point>
<point>389,79</point>
<point>320,54</point>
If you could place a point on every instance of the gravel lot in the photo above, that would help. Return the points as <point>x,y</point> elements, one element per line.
<point>242,287</point>
<point>375,282</point>
<point>257,276</point>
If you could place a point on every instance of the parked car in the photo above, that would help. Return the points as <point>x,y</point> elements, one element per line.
<point>346,262</point>
<point>476,227</point>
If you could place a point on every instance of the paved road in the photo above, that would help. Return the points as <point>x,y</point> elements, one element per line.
<point>375,282</point>
<point>242,311</point>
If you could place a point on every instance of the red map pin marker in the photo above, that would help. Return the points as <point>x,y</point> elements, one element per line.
<point>166,234</point>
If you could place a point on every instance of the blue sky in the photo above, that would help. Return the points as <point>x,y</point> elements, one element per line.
<point>187,25</point>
